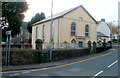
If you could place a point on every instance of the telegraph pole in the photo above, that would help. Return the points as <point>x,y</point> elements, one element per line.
<point>51,25</point>
<point>51,32</point>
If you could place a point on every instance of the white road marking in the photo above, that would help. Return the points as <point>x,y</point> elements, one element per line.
<point>113,63</point>
<point>102,70</point>
<point>15,74</point>
<point>25,72</point>
<point>112,49</point>
<point>97,74</point>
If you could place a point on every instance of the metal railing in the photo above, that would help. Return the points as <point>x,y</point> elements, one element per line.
<point>70,45</point>
<point>56,45</point>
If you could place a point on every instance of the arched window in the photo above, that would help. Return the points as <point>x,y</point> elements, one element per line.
<point>87,30</point>
<point>73,29</point>
<point>43,32</point>
<point>36,33</point>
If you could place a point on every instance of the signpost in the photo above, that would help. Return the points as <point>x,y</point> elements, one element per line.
<point>8,33</point>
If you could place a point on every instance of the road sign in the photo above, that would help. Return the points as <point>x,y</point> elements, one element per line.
<point>8,32</point>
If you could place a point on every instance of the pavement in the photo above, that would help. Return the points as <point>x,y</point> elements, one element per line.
<point>50,64</point>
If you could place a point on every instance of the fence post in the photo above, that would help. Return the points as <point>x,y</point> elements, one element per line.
<point>50,54</point>
<point>110,43</point>
<point>104,44</point>
<point>89,46</point>
<point>94,47</point>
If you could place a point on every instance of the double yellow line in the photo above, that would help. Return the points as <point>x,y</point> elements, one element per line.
<point>55,66</point>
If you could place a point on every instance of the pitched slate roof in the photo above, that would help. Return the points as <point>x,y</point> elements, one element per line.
<point>99,34</point>
<point>24,25</point>
<point>61,14</point>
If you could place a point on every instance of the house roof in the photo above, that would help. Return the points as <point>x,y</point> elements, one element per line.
<point>98,22</point>
<point>61,14</point>
<point>99,34</point>
<point>24,25</point>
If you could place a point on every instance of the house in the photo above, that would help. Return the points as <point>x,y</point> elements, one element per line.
<point>75,25</point>
<point>24,36</point>
<point>24,32</point>
<point>101,37</point>
<point>103,27</point>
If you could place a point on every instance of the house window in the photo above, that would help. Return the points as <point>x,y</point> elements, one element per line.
<point>36,33</point>
<point>43,33</point>
<point>73,29</point>
<point>81,18</point>
<point>86,30</point>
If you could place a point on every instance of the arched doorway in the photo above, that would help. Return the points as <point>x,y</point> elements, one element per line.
<point>73,43</point>
<point>80,44</point>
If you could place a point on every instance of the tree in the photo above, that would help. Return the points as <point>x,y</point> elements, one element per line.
<point>36,18</point>
<point>113,28</point>
<point>13,13</point>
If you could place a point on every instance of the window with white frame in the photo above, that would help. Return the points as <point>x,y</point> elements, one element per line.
<point>43,33</point>
<point>87,30</point>
<point>81,18</point>
<point>36,33</point>
<point>73,29</point>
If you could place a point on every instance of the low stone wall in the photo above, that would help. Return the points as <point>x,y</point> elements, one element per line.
<point>101,49</point>
<point>69,53</point>
<point>30,56</point>
<point>22,56</point>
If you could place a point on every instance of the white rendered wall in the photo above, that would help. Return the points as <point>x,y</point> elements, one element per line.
<point>103,28</point>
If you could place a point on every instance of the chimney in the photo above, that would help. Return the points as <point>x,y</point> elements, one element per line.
<point>102,20</point>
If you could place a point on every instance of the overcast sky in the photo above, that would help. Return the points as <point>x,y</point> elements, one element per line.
<point>107,9</point>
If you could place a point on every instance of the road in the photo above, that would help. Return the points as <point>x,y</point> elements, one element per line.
<point>105,65</point>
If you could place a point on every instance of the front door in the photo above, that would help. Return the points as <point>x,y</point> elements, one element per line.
<point>80,44</point>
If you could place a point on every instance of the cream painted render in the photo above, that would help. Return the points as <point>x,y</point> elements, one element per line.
<point>62,28</point>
